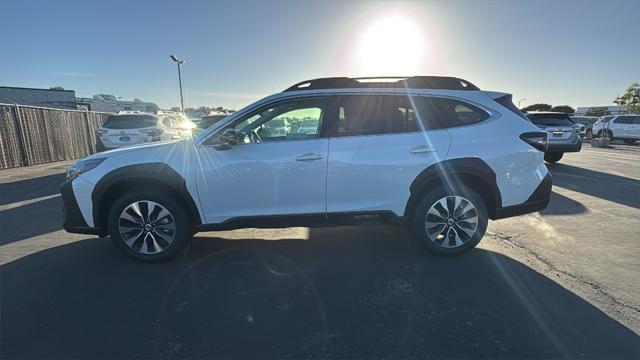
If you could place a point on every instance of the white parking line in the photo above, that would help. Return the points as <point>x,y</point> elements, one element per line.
<point>26,202</point>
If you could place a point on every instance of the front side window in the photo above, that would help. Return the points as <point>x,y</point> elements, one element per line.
<point>292,120</point>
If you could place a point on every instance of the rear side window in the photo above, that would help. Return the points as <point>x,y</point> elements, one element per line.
<point>550,119</point>
<point>440,113</point>
<point>391,114</point>
<point>129,121</point>
<point>374,114</point>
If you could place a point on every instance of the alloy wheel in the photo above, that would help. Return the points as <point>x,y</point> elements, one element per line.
<point>147,227</point>
<point>451,221</point>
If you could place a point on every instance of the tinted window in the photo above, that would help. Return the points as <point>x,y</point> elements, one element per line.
<point>627,120</point>
<point>374,114</point>
<point>440,113</point>
<point>387,114</point>
<point>129,121</point>
<point>550,119</point>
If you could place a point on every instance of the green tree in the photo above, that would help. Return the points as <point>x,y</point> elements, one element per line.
<point>563,108</point>
<point>536,107</point>
<point>630,100</point>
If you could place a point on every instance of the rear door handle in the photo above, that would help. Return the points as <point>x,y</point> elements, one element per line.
<point>421,149</point>
<point>309,157</point>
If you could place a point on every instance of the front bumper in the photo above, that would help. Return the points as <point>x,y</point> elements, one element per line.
<point>565,147</point>
<point>536,202</point>
<point>72,219</point>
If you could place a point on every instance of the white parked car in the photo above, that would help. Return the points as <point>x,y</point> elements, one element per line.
<point>563,134</point>
<point>620,127</point>
<point>433,153</point>
<point>132,128</point>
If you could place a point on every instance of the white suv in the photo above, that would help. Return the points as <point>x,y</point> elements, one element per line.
<point>131,128</point>
<point>623,127</point>
<point>434,153</point>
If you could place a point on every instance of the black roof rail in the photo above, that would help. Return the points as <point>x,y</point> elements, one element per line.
<point>414,82</point>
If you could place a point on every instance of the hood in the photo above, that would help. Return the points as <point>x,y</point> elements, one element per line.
<point>152,146</point>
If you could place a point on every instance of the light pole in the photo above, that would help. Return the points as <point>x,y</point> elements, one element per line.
<point>178,61</point>
<point>521,100</point>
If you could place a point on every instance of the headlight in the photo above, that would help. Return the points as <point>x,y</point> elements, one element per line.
<point>82,166</point>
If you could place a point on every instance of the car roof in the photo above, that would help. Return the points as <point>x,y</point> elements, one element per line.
<point>386,82</point>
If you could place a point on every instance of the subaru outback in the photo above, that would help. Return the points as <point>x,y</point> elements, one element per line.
<point>436,154</point>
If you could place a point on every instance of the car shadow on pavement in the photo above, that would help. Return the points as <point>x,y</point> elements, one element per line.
<point>28,189</point>
<point>619,189</point>
<point>364,292</point>
<point>26,221</point>
<point>562,205</point>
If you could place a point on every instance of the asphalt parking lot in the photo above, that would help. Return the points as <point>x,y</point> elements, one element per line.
<point>560,283</point>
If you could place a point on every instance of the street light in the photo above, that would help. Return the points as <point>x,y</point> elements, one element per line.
<point>519,101</point>
<point>178,61</point>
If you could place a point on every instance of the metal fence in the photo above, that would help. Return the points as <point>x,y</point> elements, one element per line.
<point>32,135</point>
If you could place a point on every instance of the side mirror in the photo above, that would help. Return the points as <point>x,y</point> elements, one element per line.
<point>228,138</point>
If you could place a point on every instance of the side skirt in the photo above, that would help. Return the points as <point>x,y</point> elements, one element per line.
<point>363,218</point>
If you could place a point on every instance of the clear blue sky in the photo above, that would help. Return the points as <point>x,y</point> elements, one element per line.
<point>559,52</point>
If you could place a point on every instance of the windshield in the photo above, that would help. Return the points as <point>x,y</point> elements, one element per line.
<point>550,119</point>
<point>129,121</point>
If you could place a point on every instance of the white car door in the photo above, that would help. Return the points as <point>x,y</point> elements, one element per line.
<point>376,149</point>
<point>268,172</point>
<point>619,127</point>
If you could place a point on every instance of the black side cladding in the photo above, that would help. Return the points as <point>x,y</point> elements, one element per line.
<point>72,219</point>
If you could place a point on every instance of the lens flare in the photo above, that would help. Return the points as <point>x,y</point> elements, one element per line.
<point>391,46</point>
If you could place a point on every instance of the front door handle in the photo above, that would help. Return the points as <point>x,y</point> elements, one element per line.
<point>422,149</point>
<point>309,157</point>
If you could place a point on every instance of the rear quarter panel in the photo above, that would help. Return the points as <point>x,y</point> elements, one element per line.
<point>519,167</point>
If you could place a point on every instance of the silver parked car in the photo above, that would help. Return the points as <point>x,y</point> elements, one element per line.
<point>563,134</point>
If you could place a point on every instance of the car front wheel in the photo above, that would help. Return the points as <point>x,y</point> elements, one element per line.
<point>450,223</point>
<point>149,225</point>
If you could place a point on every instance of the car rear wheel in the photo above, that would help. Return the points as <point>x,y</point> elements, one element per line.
<point>553,157</point>
<point>450,222</point>
<point>149,226</point>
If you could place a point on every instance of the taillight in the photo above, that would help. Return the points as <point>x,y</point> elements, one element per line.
<point>154,133</point>
<point>536,139</point>
<point>99,133</point>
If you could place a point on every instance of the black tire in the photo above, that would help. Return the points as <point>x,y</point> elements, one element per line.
<point>553,157</point>
<point>610,134</point>
<point>183,228</point>
<point>437,245</point>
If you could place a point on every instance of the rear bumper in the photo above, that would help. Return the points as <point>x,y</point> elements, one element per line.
<point>536,202</point>
<point>565,147</point>
<point>72,219</point>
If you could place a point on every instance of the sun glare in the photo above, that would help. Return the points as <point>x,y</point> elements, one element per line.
<point>391,46</point>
